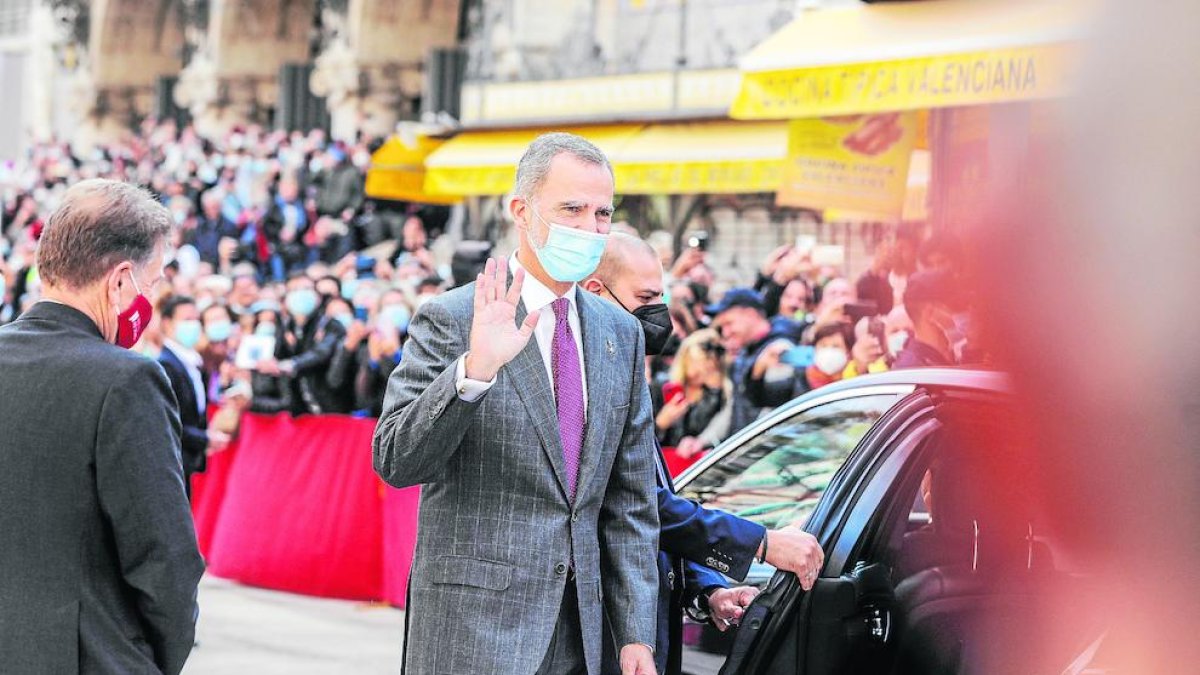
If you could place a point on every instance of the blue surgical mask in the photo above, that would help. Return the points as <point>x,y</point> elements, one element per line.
<point>219,331</point>
<point>187,333</point>
<point>349,287</point>
<point>265,329</point>
<point>345,320</point>
<point>569,255</point>
<point>397,315</point>
<point>302,302</point>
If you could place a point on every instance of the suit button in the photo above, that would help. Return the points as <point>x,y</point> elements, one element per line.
<point>575,517</point>
<point>560,568</point>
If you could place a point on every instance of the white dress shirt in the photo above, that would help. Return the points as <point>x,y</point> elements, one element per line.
<point>536,296</point>
<point>192,361</point>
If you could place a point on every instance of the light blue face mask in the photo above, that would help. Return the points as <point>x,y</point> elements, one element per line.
<point>187,333</point>
<point>302,302</point>
<point>345,320</point>
<point>569,255</point>
<point>349,287</point>
<point>219,331</point>
<point>397,315</point>
<point>267,329</point>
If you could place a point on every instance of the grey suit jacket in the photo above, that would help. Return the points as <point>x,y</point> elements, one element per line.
<point>98,558</point>
<point>497,533</point>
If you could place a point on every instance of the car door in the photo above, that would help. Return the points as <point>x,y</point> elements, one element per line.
<point>775,473</point>
<point>842,625</point>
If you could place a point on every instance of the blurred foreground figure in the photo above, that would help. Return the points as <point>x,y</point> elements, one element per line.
<point>98,558</point>
<point>1107,242</point>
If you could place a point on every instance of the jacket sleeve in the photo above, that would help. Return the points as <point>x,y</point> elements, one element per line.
<point>698,579</point>
<point>628,525</point>
<point>423,421</point>
<point>341,366</point>
<point>772,294</point>
<point>139,480</point>
<point>770,394</point>
<point>710,537</point>
<point>271,394</point>
<point>718,427</point>
<point>320,354</point>
<point>194,439</point>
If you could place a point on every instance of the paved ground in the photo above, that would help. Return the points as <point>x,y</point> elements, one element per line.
<point>249,630</point>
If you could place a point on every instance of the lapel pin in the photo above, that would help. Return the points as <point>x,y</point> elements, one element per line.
<point>608,345</point>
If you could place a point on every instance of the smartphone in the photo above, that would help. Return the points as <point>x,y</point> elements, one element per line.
<point>671,390</point>
<point>798,357</point>
<point>361,313</point>
<point>829,255</point>
<point>806,242</point>
<point>364,267</point>
<point>699,240</point>
<point>860,310</point>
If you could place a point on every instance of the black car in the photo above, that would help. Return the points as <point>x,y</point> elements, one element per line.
<point>938,559</point>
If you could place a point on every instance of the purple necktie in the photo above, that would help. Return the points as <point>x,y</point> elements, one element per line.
<point>568,392</point>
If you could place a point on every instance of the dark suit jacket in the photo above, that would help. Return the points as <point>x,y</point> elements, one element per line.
<point>693,542</point>
<point>195,422</point>
<point>98,558</point>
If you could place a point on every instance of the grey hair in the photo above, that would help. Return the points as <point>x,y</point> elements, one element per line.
<point>535,163</point>
<point>100,224</point>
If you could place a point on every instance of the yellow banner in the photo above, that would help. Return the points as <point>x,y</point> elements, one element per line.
<point>729,177</point>
<point>972,78</point>
<point>857,163</point>
<point>481,180</point>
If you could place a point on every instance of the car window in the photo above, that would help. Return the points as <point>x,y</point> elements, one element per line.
<point>777,477</point>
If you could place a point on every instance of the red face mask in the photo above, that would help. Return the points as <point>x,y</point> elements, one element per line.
<point>132,322</point>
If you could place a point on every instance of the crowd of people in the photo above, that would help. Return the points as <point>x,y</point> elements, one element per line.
<point>802,326</point>
<point>286,287</point>
<point>292,292</point>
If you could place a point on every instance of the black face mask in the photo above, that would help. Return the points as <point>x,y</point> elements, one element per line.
<point>655,320</point>
<point>657,325</point>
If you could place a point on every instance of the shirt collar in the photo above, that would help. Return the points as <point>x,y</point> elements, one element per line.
<point>189,356</point>
<point>534,293</point>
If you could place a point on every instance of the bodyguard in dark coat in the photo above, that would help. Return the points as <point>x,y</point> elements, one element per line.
<point>695,543</point>
<point>98,558</point>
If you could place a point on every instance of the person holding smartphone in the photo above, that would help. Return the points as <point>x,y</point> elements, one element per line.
<point>694,400</point>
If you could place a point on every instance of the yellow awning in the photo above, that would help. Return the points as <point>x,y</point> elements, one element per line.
<point>483,163</point>
<point>398,171</point>
<point>904,56</point>
<point>719,156</point>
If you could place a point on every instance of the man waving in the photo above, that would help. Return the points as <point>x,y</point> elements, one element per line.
<point>523,410</point>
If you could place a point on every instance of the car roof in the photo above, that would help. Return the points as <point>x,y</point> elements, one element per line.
<point>989,381</point>
<point>958,378</point>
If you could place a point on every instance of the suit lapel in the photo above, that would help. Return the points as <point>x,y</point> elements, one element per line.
<point>536,392</point>
<point>598,359</point>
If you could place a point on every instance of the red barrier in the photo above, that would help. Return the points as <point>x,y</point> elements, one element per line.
<point>294,505</point>
<point>676,464</point>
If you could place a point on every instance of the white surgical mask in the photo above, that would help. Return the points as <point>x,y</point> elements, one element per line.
<point>896,342</point>
<point>830,360</point>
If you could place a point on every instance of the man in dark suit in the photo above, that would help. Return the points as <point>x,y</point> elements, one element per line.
<point>184,367</point>
<point>695,543</point>
<point>97,548</point>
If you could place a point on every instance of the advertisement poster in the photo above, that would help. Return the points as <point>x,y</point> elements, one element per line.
<point>857,163</point>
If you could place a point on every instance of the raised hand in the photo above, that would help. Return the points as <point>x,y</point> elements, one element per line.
<point>495,337</point>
